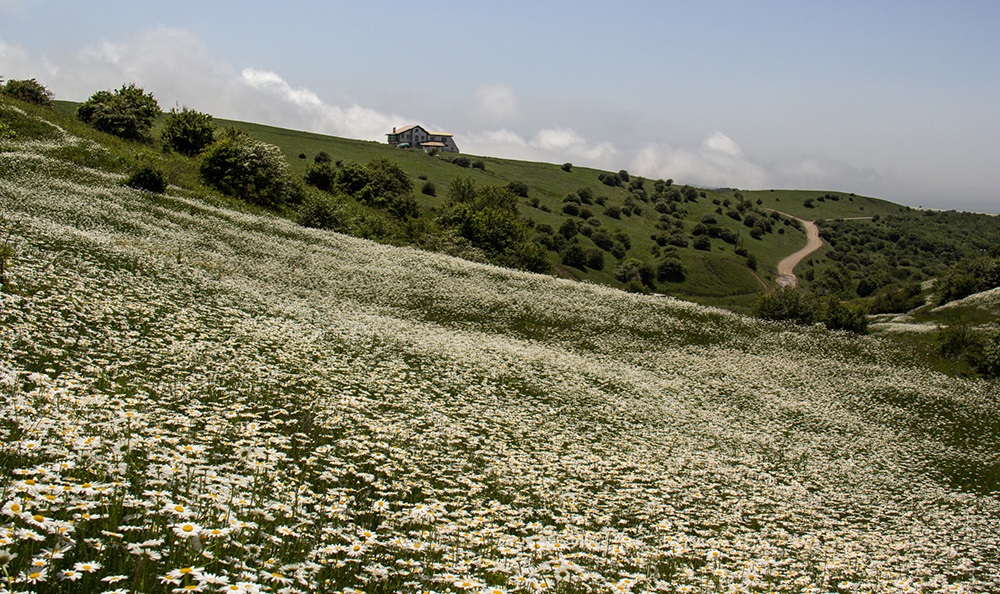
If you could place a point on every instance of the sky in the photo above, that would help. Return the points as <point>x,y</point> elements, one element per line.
<point>894,99</point>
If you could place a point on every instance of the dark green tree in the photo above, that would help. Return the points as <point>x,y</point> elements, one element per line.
<point>242,166</point>
<point>29,91</point>
<point>126,113</point>
<point>787,304</point>
<point>188,131</point>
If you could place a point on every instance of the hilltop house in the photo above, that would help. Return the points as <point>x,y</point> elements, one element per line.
<point>414,136</point>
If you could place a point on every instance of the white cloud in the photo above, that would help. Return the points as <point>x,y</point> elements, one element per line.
<point>717,161</point>
<point>496,102</point>
<point>721,143</point>
<point>552,145</point>
<point>175,66</point>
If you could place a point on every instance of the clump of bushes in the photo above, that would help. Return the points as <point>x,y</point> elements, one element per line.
<point>188,131</point>
<point>147,178</point>
<point>29,91</point>
<point>244,167</point>
<point>800,307</point>
<point>127,113</point>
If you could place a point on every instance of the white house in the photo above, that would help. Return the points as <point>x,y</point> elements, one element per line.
<point>414,136</point>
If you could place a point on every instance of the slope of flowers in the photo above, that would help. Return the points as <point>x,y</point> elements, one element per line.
<point>196,399</point>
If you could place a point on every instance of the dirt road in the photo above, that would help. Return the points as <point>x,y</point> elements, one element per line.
<point>786,275</point>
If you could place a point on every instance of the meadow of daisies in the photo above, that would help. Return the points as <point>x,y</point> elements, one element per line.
<point>198,399</point>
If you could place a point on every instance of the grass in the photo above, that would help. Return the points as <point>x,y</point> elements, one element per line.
<point>194,396</point>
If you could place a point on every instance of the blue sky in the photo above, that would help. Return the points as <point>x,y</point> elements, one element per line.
<point>899,100</point>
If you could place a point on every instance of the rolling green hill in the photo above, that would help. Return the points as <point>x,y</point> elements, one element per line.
<point>197,393</point>
<point>714,276</point>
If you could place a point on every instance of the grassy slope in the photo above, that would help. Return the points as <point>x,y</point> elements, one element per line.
<point>717,278</point>
<point>482,424</point>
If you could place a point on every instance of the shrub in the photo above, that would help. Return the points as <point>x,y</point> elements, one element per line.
<point>322,157</point>
<point>240,165</point>
<point>595,259</point>
<point>321,212</point>
<point>479,164</point>
<point>29,91</point>
<point>569,229</point>
<point>703,243</point>
<point>671,270</point>
<point>321,176</point>
<point>678,240</point>
<point>519,187</point>
<point>614,212</point>
<point>786,304</point>
<point>840,316</point>
<point>567,167</point>
<point>610,179</point>
<point>187,131</point>
<point>429,189</point>
<point>574,256</point>
<point>147,178</point>
<point>461,161</point>
<point>126,113</point>
<point>571,208</point>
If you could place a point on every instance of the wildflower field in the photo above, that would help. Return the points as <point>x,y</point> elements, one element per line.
<point>200,399</point>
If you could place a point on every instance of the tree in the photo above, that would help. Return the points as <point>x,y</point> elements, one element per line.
<point>240,165</point>
<point>126,113</point>
<point>488,218</point>
<point>671,270</point>
<point>574,256</point>
<point>29,91</point>
<point>787,303</point>
<point>148,178</point>
<point>187,131</point>
<point>567,167</point>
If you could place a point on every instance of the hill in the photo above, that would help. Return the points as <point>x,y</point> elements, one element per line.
<point>633,219</point>
<point>199,393</point>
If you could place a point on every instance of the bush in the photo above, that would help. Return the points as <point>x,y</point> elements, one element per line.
<point>786,304</point>
<point>840,316</point>
<point>147,178</point>
<point>571,208</point>
<point>671,270</point>
<point>187,131</point>
<point>126,113</point>
<point>429,189</point>
<point>574,256</point>
<point>322,157</point>
<point>678,240</point>
<point>321,212</point>
<point>461,161</point>
<point>320,175</point>
<point>703,243</point>
<point>239,165</point>
<point>595,259</point>
<point>29,91</point>
<point>569,229</point>
<point>567,167</point>
<point>519,187</point>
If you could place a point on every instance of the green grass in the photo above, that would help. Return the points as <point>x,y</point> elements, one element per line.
<point>194,394</point>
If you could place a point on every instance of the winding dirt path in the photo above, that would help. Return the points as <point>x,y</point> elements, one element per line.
<point>786,276</point>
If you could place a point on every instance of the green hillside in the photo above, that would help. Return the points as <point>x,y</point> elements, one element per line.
<point>196,393</point>
<point>714,276</point>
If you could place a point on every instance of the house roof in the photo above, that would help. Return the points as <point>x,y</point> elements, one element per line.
<point>412,126</point>
<point>403,129</point>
